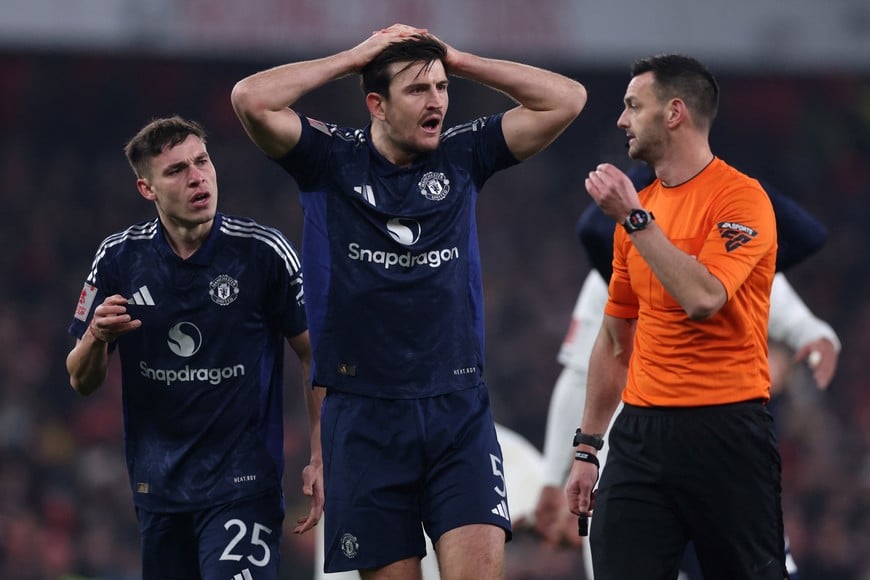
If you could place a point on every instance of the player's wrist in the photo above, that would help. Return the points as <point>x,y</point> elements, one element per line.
<point>97,335</point>
<point>592,440</point>
<point>587,457</point>
<point>637,220</point>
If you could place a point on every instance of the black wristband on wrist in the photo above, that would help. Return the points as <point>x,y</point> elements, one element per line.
<point>586,439</point>
<point>587,458</point>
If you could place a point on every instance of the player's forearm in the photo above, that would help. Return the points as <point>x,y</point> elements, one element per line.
<point>566,404</point>
<point>277,88</point>
<point>688,281</point>
<point>301,345</point>
<point>608,368</point>
<point>87,364</point>
<point>534,88</point>
<point>791,320</point>
<point>314,400</point>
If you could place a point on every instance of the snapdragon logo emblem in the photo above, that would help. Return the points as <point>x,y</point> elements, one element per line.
<point>434,186</point>
<point>185,339</point>
<point>406,231</point>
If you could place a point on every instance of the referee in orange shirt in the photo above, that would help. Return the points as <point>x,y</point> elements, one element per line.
<point>693,456</point>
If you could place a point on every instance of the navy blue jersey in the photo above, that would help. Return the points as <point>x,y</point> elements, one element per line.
<point>202,377</point>
<point>391,258</point>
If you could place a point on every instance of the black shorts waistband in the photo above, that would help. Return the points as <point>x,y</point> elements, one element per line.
<point>723,408</point>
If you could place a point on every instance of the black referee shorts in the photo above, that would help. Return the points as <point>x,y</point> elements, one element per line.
<point>711,475</point>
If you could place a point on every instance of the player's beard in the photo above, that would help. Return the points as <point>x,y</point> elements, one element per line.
<point>416,147</point>
<point>649,147</point>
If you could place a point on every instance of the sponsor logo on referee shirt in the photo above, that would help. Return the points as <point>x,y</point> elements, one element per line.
<point>736,235</point>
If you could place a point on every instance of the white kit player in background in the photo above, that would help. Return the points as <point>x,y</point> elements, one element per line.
<point>791,322</point>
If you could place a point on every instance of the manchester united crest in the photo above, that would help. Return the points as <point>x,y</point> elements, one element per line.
<point>434,186</point>
<point>223,290</point>
<point>349,545</point>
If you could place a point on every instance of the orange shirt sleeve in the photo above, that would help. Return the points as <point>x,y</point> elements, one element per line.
<point>743,233</point>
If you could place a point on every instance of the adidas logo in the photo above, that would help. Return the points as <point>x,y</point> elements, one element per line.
<point>243,575</point>
<point>367,193</point>
<point>142,297</point>
<point>501,509</point>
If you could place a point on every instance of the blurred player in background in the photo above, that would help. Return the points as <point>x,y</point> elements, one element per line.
<point>394,291</point>
<point>198,305</point>
<point>791,322</point>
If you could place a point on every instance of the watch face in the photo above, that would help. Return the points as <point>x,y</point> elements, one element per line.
<point>638,218</point>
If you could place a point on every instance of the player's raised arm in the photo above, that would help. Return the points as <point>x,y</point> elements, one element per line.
<point>548,101</point>
<point>262,101</point>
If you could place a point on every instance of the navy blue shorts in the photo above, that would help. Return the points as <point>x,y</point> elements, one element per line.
<point>391,465</point>
<point>233,541</point>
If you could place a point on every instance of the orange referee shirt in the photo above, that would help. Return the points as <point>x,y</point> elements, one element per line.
<point>723,219</point>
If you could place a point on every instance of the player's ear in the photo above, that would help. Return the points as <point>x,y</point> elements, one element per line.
<point>145,189</point>
<point>676,112</point>
<point>375,103</point>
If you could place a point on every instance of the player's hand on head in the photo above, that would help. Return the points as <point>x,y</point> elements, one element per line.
<point>402,30</point>
<point>821,357</point>
<point>111,319</point>
<point>368,49</point>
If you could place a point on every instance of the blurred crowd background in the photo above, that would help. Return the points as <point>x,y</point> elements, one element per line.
<point>65,502</point>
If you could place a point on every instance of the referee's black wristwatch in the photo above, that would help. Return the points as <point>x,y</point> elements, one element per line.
<point>637,220</point>
<point>581,438</point>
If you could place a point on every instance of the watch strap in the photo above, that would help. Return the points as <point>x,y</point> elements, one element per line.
<point>581,438</point>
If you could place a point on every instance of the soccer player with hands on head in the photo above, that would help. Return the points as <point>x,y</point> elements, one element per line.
<point>394,290</point>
